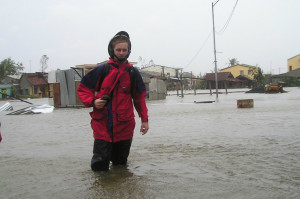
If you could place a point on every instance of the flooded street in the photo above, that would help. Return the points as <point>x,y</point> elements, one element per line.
<point>205,150</point>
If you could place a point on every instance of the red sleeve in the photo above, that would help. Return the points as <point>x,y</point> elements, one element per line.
<point>86,95</point>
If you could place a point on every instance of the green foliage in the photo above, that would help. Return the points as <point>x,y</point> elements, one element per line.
<point>170,86</point>
<point>233,62</point>
<point>258,77</point>
<point>291,81</point>
<point>200,85</point>
<point>26,96</point>
<point>9,67</point>
<point>13,90</point>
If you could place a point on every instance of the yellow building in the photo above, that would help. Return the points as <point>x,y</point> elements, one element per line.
<point>293,63</point>
<point>35,84</point>
<point>240,69</point>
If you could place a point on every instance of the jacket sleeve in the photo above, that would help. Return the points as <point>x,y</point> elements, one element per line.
<point>87,86</point>
<point>139,97</point>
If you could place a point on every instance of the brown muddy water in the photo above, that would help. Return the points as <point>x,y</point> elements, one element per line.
<point>192,150</point>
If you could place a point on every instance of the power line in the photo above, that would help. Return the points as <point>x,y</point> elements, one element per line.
<point>198,51</point>
<point>219,32</point>
<point>228,20</point>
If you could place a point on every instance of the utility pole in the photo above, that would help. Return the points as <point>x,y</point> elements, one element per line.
<point>163,71</point>
<point>181,83</point>
<point>215,51</point>
<point>29,66</point>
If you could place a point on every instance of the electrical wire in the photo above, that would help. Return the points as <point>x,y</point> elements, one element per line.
<point>198,51</point>
<point>219,32</point>
<point>228,20</point>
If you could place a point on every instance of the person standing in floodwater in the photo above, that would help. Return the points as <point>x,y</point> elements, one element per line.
<point>118,86</point>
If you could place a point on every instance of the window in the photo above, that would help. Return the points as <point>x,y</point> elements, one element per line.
<point>241,72</point>
<point>290,68</point>
<point>35,90</point>
<point>249,72</point>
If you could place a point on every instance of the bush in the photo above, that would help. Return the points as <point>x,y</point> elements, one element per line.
<point>291,81</point>
<point>26,96</point>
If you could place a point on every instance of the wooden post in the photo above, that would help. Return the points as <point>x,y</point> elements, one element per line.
<point>226,86</point>
<point>56,95</point>
<point>181,83</point>
<point>177,87</point>
<point>177,84</point>
<point>195,84</point>
<point>209,83</point>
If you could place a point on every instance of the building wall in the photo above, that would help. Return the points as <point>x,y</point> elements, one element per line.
<point>38,91</point>
<point>5,88</point>
<point>168,71</point>
<point>293,63</point>
<point>240,70</point>
<point>26,88</point>
<point>157,89</point>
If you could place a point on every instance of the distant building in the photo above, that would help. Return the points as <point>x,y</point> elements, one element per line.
<point>293,63</point>
<point>12,79</point>
<point>5,91</point>
<point>225,80</point>
<point>164,71</point>
<point>14,84</point>
<point>278,79</point>
<point>35,84</point>
<point>241,70</point>
<point>172,76</point>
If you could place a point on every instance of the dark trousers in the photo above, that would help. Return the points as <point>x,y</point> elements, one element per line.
<point>104,152</point>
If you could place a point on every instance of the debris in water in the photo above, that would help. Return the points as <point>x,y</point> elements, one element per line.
<point>6,107</point>
<point>45,108</point>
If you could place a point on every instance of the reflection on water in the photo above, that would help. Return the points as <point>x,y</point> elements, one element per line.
<point>191,151</point>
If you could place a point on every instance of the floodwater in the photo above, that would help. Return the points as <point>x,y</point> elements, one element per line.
<point>206,150</point>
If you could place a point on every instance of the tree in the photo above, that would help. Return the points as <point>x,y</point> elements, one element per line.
<point>233,62</point>
<point>143,64</point>
<point>44,64</point>
<point>291,81</point>
<point>258,77</point>
<point>9,67</point>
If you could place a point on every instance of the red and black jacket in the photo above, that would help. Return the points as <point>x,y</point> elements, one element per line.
<point>115,122</point>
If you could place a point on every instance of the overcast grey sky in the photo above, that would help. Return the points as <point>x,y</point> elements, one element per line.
<point>174,33</point>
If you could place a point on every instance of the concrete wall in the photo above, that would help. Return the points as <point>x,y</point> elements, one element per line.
<point>157,89</point>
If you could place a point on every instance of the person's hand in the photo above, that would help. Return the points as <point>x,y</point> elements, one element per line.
<point>144,128</point>
<point>99,103</point>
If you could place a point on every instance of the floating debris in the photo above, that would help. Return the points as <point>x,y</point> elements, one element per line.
<point>6,107</point>
<point>245,103</point>
<point>203,102</point>
<point>45,108</point>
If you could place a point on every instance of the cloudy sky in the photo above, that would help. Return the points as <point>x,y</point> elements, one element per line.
<point>173,33</point>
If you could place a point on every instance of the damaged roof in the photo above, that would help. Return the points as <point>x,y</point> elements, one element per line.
<point>36,79</point>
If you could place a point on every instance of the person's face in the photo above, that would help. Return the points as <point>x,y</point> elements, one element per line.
<point>121,50</point>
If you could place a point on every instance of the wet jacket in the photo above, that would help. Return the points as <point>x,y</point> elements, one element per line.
<point>114,122</point>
